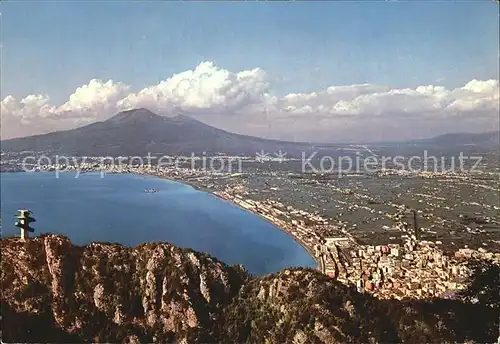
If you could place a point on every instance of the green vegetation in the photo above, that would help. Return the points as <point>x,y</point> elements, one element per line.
<point>321,308</point>
<point>158,293</point>
<point>483,284</point>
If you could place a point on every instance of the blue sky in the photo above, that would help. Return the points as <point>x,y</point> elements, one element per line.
<point>53,47</point>
<point>255,55</point>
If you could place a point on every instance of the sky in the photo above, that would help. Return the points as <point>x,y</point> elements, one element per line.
<point>329,71</point>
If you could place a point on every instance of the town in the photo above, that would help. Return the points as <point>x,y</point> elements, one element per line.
<point>409,242</point>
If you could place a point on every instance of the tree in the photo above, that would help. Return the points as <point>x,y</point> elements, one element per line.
<point>483,285</point>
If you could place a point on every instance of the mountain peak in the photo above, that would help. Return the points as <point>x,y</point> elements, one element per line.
<point>143,115</point>
<point>137,132</point>
<point>133,114</point>
<point>185,119</point>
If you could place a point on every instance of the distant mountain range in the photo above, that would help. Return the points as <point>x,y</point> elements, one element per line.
<point>139,132</point>
<point>491,138</point>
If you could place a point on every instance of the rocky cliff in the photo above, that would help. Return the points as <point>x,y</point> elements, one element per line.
<point>53,291</point>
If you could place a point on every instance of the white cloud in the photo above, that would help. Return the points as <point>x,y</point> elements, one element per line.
<point>96,95</point>
<point>243,102</point>
<point>373,100</point>
<point>88,102</point>
<point>204,88</point>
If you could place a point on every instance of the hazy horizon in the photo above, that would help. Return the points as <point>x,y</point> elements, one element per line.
<point>310,141</point>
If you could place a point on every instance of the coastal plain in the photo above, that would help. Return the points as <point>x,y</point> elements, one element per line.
<point>381,230</point>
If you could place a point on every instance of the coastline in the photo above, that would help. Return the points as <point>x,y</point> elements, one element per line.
<point>393,267</point>
<point>319,264</point>
<point>318,261</point>
<point>309,250</point>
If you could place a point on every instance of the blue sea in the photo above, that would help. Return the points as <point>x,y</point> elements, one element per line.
<point>115,208</point>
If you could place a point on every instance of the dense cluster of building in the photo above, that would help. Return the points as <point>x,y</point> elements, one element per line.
<point>413,269</point>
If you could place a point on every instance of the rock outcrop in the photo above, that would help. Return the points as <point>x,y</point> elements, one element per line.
<point>54,291</point>
<point>152,292</point>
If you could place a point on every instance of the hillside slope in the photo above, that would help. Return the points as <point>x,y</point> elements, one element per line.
<point>485,140</point>
<point>139,132</point>
<point>54,291</point>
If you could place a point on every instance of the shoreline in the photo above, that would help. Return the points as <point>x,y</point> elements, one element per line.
<point>317,260</point>
<point>319,265</point>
